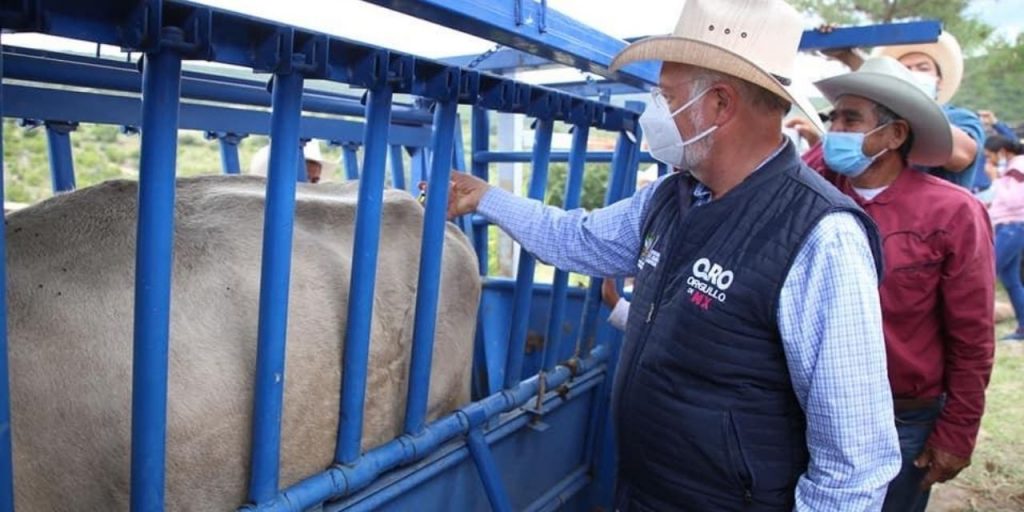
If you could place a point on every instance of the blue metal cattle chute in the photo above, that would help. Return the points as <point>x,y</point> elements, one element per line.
<point>536,435</point>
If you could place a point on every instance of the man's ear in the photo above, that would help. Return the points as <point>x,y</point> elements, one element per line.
<point>901,132</point>
<point>726,102</point>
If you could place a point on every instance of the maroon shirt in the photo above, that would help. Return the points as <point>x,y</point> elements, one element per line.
<point>937,296</point>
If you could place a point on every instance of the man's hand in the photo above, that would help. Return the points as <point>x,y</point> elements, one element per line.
<point>465,194</point>
<point>942,466</point>
<point>988,117</point>
<point>805,129</point>
<point>610,292</point>
<point>851,57</point>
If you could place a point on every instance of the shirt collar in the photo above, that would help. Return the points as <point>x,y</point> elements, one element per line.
<point>702,194</point>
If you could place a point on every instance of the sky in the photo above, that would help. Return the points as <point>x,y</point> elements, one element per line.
<point>361,21</point>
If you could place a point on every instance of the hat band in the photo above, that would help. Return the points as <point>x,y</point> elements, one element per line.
<point>782,80</point>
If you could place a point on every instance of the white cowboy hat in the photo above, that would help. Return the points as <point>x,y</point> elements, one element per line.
<point>948,57</point>
<point>885,81</point>
<point>754,40</point>
<point>261,160</point>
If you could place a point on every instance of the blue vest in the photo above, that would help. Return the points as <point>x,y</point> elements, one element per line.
<point>703,404</point>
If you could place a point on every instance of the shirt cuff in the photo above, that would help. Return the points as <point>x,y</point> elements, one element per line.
<point>619,315</point>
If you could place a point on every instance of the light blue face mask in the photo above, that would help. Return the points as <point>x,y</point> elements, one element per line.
<point>844,152</point>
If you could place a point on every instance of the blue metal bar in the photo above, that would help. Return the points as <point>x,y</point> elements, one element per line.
<point>662,169</point>
<point>418,166</point>
<point>229,151</point>
<point>556,156</point>
<point>634,154</point>
<point>161,81</point>
<point>350,160</point>
<point>488,471</point>
<point>429,282</point>
<point>623,148</point>
<point>481,134</point>
<point>524,277</point>
<point>343,480</point>
<point>364,274</point>
<point>501,61</point>
<point>43,103</point>
<point>103,74</point>
<point>887,34</point>
<point>397,168</point>
<point>301,175</point>
<point>459,154</point>
<point>6,459</point>
<point>573,190</point>
<point>274,280</point>
<point>62,167</point>
<point>563,40</point>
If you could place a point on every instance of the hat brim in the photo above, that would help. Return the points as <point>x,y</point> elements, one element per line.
<point>947,57</point>
<point>703,55</point>
<point>933,138</point>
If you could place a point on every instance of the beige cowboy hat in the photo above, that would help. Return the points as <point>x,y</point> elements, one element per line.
<point>754,40</point>
<point>311,151</point>
<point>885,81</point>
<point>948,57</point>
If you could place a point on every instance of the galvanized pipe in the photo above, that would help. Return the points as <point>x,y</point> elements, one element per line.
<point>62,167</point>
<point>573,190</point>
<point>397,168</point>
<point>429,281</point>
<point>366,245</point>
<point>274,280</point>
<point>161,81</point>
<point>487,468</point>
<point>6,462</point>
<point>524,277</point>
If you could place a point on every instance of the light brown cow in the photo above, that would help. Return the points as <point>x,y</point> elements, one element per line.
<point>71,274</point>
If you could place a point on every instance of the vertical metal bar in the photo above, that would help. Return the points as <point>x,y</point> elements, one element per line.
<point>633,167</point>
<point>487,468</point>
<point>161,88</point>
<point>397,168</point>
<point>481,134</point>
<point>6,462</point>
<point>274,280</point>
<point>229,154</point>
<point>301,174</point>
<point>620,162</point>
<point>573,190</point>
<point>364,275</point>
<point>429,282</point>
<point>419,166</point>
<point>62,167</point>
<point>348,153</point>
<point>524,278</point>
<point>459,153</point>
<point>662,169</point>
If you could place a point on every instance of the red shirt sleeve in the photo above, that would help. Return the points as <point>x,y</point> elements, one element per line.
<point>815,158</point>
<point>967,287</point>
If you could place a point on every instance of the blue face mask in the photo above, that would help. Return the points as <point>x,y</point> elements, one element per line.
<point>844,152</point>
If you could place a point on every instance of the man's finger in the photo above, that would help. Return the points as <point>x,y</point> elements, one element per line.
<point>935,474</point>
<point>922,461</point>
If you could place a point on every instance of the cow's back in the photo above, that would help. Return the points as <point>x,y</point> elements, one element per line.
<point>71,280</point>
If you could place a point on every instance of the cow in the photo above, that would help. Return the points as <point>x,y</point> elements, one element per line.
<point>71,262</point>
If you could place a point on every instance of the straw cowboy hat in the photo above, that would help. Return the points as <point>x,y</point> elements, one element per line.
<point>885,81</point>
<point>948,57</point>
<point>754,40</point>
<point>311,151</point>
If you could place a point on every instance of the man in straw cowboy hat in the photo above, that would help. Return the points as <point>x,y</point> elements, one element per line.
<point>938,68</point>
<point>753,371</point>
<point>938,285</point>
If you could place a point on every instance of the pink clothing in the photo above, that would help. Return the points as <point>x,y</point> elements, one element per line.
<point>1008,204</point>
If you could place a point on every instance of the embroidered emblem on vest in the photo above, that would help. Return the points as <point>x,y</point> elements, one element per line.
<point>648,255</point>
<point>708,282</point>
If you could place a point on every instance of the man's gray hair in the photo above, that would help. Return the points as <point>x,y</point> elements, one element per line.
<point>758,96</point>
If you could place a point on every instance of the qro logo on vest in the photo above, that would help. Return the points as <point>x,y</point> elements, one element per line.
<point>708,283</point>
